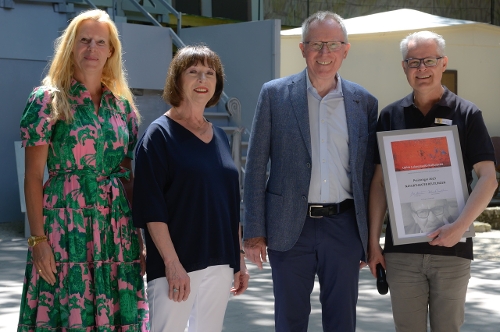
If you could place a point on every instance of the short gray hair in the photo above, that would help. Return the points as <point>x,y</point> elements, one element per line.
<point>422,36</point>
<point>321,17</point>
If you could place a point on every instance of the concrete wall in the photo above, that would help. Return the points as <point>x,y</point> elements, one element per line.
<point>147,52</point>
<point>23,57</point>
<point>374,61</point>
<point>27,34</point>
<point>250,53</point>
<point>293,12</point>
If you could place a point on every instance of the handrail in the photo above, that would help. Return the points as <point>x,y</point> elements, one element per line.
<point>232,105</point>
<point>146,13</point>
<point>236,152</point>
<point>175,12</point>
<point>175,38</point>
<point>90,4</point>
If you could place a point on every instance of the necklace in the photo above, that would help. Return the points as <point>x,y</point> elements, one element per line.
<point>190,124</point>
<point>206,130</point>
<point>203,123</point>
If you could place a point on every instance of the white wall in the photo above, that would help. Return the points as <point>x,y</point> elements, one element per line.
<point>476,55</point>
<point>291,58</point>
<point>374,61</point>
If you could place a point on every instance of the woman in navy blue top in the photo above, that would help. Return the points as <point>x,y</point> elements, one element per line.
<point>187,199</point>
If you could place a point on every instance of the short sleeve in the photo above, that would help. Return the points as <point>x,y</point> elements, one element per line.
<point>477,140</point>
<point>382,125</point>
<point>151,177</point>
<point>36,128</point>
<point>133,129</point>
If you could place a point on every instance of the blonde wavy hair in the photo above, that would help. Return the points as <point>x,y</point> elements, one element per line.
<point>61,70</point>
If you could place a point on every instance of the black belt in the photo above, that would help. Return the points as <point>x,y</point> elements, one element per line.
<point>327,210</point>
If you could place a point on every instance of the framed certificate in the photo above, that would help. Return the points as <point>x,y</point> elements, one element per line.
<point>424,181</point>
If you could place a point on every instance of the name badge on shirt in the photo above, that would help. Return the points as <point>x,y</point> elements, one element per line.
<point>440,121</point>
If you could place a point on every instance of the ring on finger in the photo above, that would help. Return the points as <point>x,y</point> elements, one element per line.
<point>175,290</point>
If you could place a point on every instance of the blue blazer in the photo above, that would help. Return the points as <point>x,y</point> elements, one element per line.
<point>276,207</point>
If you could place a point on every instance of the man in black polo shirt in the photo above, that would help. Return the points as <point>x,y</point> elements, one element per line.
<point>431,278</point>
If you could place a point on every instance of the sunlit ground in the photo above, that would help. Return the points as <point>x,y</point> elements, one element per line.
<point>253,311</point>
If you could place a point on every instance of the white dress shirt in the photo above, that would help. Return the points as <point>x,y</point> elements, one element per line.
<point>331,173</point>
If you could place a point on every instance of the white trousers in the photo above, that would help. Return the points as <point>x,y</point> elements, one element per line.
<point>204,309</point>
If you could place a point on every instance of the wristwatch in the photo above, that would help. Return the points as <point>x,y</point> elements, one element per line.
<point>34,240</point>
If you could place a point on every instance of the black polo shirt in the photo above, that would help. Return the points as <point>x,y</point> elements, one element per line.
<point>475,143</point>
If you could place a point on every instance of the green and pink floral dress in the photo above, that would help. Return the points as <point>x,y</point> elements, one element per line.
<point>87,219</point>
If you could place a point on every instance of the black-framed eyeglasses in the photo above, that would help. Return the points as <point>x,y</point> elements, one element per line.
<point>428,62</point>
<point>318,45</point>
<point>436,210</point>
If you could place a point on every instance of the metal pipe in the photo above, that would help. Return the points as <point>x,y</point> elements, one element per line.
<point>175,38</point>
<point>175,12</point>
<point>179,25</point>
<point>236,152</point>
<point>170,8</point>
<point>145,13</point>
<point>92,5</point>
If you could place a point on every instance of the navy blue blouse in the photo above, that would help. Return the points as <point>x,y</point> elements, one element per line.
<point>193,187</point>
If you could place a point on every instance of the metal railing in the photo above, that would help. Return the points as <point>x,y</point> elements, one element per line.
<point>90,4</point>
<point>231,105</point>
<point>236,152</point>
<point>177,14</point>
<point>175,36</point>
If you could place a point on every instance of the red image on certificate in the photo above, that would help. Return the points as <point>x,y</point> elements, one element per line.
<point>420,153</point>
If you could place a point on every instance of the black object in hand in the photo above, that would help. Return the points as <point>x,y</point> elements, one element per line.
<point>382,285</point>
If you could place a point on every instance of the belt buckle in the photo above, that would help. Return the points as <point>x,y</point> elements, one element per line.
<point>314,206</point>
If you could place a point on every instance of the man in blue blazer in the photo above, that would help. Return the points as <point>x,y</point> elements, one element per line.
<point>318,132</point>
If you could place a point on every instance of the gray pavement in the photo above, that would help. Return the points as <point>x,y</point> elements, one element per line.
<point>253,311</point>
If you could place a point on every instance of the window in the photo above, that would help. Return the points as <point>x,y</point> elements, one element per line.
<point>449,80</point>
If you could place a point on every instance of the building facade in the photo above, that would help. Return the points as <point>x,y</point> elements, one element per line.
<point>293,12</point>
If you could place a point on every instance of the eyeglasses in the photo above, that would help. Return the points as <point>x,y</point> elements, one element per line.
<point>318,45</point>
<point>428,62</point>
<point>424,213</point>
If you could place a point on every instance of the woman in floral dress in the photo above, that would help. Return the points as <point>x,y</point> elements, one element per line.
<point>84,267</point>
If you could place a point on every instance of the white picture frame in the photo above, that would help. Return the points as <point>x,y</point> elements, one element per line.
<point>424,180</point>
